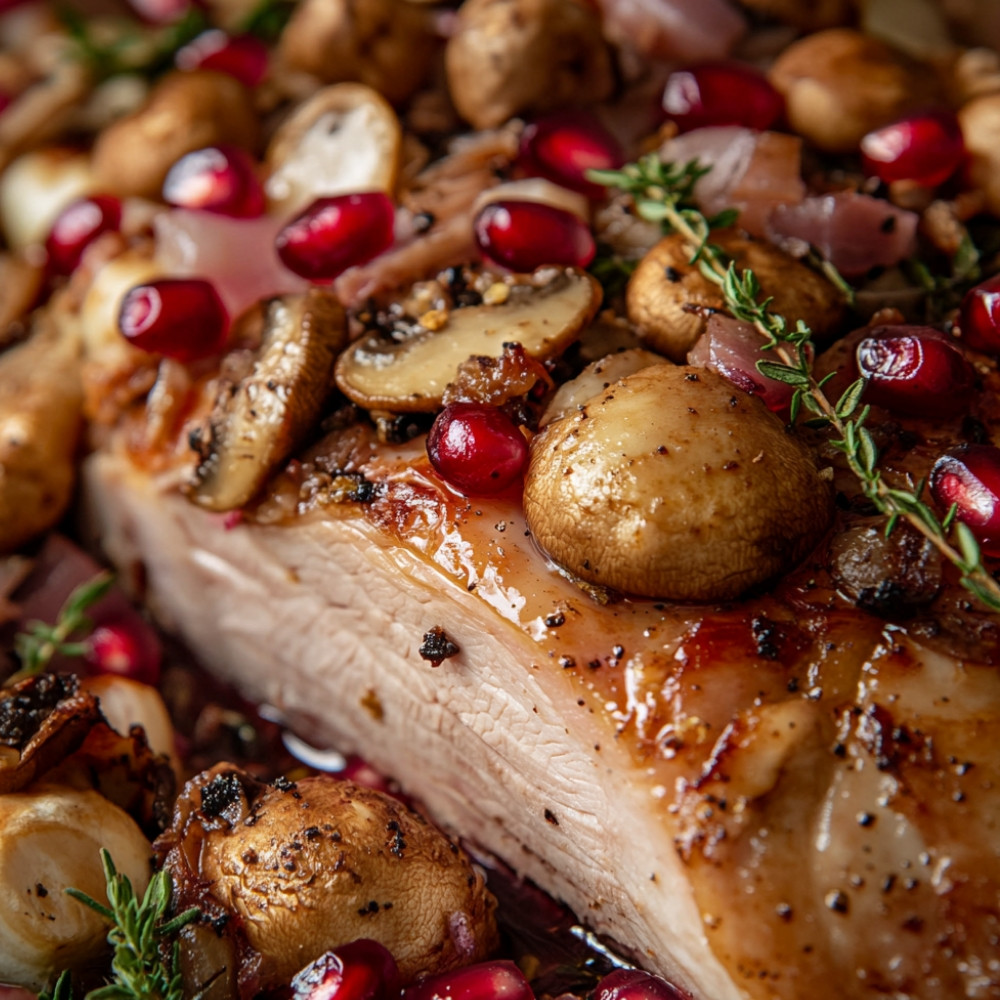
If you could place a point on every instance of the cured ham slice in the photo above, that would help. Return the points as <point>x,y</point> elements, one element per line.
<point>780,797</point>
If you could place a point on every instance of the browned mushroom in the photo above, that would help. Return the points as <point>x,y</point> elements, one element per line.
<point>701,503</point>
<point>184,112</point>
<point>346,862</point>
<point>668,296</point>
<point>511,57</point>
<point>544,315</point>
<point>258,421</point>
<point>840,84</point>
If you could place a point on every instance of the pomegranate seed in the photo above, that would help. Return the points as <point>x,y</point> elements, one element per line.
<point>242,56</point>
<point>6,100</point>
<point>634,984</point>
<point>115,648</point>
<point>980,316</point>
<point>563,147</point>
<point>477,449</point>
<point>220,179</point>
<point>721,93</point>
<point>77,226</point>
<point>925,148</point>
<point>361,970</point>
<point>336,233</point>
<point>523,235</point>
<point>499,980</point>
<point>180,318</point>
<point>914,371</point>
<point>970,477</point>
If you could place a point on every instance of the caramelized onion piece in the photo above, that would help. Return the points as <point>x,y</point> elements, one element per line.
<point>344,861</point>
<point>544,316</point>
<point>258,421</point>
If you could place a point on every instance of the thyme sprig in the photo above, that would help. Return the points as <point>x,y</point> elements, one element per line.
<point>146,950</point>
<point>40,642</point>
<point>664,193</point>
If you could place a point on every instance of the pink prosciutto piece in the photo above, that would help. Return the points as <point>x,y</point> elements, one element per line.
<point>855,232</point>
<point>754,172</point>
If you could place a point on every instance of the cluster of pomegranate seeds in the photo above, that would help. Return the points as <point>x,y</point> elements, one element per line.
<point>926,148</point>
<point>634,984</point>
<point>523,235</point>
<point>563,147</point>
<point>242,56</point>
<point>77,226</point>
<point>180,318</point>
<point>721,93</point>
<point>116,647</point>
<point>498,980</point>
<point>477,449</point>
<point>220,179</point>
<point>914,371</point>
<point>336,233</point>
<point>979,319</point>
<point>969,477</point>
<point>361,970</point>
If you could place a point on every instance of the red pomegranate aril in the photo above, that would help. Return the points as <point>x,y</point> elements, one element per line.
<point>77,226</point>
<point>926,148</point>
<point>563,147</point>
<point>634,984</point>
<point>914,371</point>
<point>116,648</point>
<point>721,93</point>
<point>220,179</point>
<point>6,100</point>
<point>477,449</point>
<point>979,319</point>
<point>969,477</point>
<point>336,233</point>
<point>242,56</point>
<point>361,970</point>
<point>180,318</point>
<point>499,980</point>
<point>524,235</point>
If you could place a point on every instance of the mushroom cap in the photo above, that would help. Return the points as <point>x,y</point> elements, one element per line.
<point>511,57</point>
<point>308,866</point>
<point>673,484</point>
<point>839,84</point>
<point>665,286</point>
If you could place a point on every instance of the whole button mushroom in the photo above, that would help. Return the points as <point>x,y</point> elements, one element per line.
<point>511,57</point>
<point>841,84</point>
<point>665,286</point>
<point>184,112</point>
<point>292,870</point>
<point>672,484</point>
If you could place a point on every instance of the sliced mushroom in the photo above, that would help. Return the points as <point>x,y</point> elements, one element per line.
<point>41,399</point>
<point>185,111</point>
<point>544,316</point>
<point>345,138</point>
<point>668,296</point>
<point>257,422</point>
<point>701,502</point>
<point>980,122</point>
<point>345,862</point>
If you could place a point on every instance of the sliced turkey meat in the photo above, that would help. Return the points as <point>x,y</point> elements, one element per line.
<point>779,797</point>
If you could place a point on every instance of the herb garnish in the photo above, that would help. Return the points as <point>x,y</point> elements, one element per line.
<point>664,193</point>
<point>39,642</point>
<point>140,936</point>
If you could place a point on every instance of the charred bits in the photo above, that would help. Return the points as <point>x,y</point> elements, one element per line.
<point>437,646</point>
